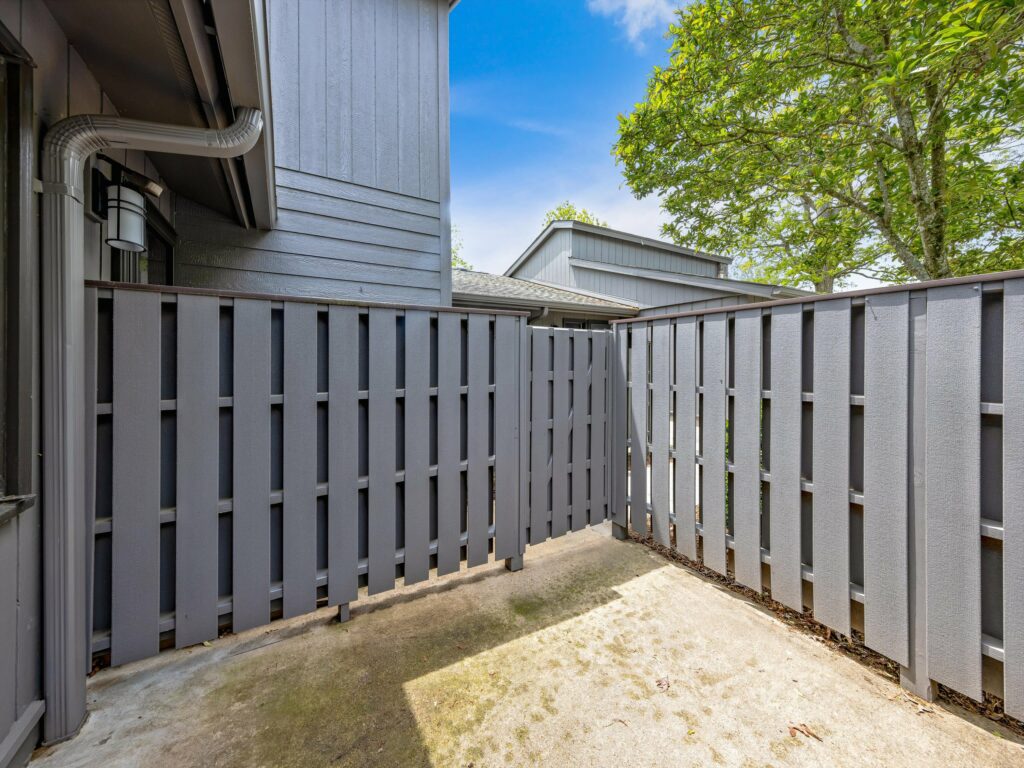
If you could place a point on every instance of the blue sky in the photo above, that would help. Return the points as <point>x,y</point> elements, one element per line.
<point>536,88</point>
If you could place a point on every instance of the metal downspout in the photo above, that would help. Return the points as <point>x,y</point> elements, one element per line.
<point>66,149</point>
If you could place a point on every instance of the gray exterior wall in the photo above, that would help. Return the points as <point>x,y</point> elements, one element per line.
<point>361,130</point>
<point>694,306</point>
<point>552,263</point>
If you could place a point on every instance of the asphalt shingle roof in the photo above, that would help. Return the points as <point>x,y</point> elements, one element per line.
<point>471,283</point>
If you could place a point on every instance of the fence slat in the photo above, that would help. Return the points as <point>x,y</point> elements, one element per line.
<point>343,454</point>
<point>506,437</point>
<point>560,434</point>
<point>1013,498</point>
<point>746,480</point>
<point>250,516</point>
<point>712,425</point>
<point>135,534</point>
<point>299,511</point>
<point>638,429</point>
<point>831,464</point>
<point>952,481</point>
<point>478,449</point>
<point>686,437</point>
<point>196,521</point>
<point>784,454</point>
<point>580,380</point>
<point>886,378</point>
<point>540,435</point>
<point>382,465</point>
<point>660,361</point>
<point>598,418</point>
<point>619,480</point>
<point>417,446</point>
<point>449,481</point>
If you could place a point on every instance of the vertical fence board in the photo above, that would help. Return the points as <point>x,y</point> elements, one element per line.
<point>619,481</point>
<point>746,480</point>
<point>952,479</point>
<point>886,400</point>
<point>660,360</point>
<point>599,455</point>
<point>449,482</point>
<point>831,464</point>
<point>580,380</point>
<point>478,448</point>
<point>299,510</point>
<point>1013,498</point>
<point>343,454</point>
<point>196,526</point>
<point>135,575</point>
<point>417,446</point>
<point>525,334</point>
<point>382,465</point>
<point>506,438</point>
<point>560,434</point>
<point>540,466</point>
<point>786,346</point>
<point>713,426</point>
<point>638,429</point>
<point>250,515</point>
<point>686,437</point>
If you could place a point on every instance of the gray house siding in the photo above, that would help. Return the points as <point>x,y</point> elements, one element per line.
<point>360,91</point>
<point>613,251</point>
<point>640,291</point>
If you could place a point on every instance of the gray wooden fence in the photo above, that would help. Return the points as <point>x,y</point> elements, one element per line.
<point>256,458</point>
<point>861,456</point>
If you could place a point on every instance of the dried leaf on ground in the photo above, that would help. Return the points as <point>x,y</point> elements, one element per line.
<point>663,684</point>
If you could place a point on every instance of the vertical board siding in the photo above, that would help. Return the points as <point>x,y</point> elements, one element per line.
<point>831,463</point>
<point>312,117</point>
<point>746,480</point>
<point>660,361</point>
<point>196,521</point>
<point>449,355</point>
<point>1013,498</point>
<point>506,437</point>
<point>686,437</point>
<point>251,469</point>
<point>953,448</point>
<point>560,434</point>
<point>135,577</point>
<point>381,436</point>
<point>478,440</point>
<point>417,446</point>
<point>580,380</point>
<point>886,403</point>
<point>300,523</point>
<point>540,464</point>
<point>638,430</point>
<point>713,427</point>
<point>786,346</point>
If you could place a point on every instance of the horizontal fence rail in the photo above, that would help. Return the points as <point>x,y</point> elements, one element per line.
<point>258,457</point>
<point>861,456</point>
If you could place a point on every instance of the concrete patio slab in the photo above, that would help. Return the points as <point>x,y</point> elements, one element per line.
<point>598,653</point>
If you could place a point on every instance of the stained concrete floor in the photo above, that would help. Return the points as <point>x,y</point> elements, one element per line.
<point>598,653</point>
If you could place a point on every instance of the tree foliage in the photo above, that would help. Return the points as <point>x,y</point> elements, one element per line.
<point>815,140</point>
<point>458,262</point>
<point>568,212</point>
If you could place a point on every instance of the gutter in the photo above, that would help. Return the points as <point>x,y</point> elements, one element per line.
<point>66,549</point>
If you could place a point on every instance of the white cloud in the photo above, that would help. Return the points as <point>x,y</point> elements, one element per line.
<point>635,16</point>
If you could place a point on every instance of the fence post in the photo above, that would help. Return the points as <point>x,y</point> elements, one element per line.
<point>617,432</point>
<point>523,437</point>
<point>915,678</point>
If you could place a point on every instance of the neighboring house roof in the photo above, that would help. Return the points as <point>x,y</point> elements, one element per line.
<point>613,234</point>
<point>764,290</point>
<point>470,286</point>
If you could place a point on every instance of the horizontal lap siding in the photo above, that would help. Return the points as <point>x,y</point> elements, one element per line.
<point>360,126</point>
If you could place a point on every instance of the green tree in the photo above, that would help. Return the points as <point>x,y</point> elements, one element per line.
<point>813,141</point>
<point>457,261</point>
<point>569,212</point>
